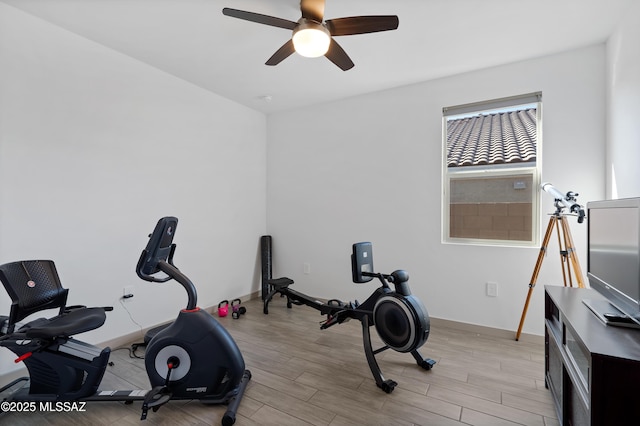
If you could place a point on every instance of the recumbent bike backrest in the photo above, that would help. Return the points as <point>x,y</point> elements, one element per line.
<point>33,285</point>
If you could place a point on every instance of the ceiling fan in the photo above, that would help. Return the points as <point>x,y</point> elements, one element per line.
<point>313,36</point>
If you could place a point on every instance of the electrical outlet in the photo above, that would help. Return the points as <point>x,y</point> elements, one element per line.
<point>306,268</point>
<point>128,292</point>
<point>492,289</point>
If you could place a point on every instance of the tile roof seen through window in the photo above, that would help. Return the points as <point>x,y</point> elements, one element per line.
<point>486,139</point>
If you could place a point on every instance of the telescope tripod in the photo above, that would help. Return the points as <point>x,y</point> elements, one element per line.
<point>567,255</point>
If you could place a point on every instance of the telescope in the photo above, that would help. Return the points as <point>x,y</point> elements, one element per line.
<point>567,251</point>
<point>567,200</point>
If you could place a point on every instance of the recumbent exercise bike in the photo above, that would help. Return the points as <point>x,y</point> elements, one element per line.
<point>193,358</point>
<point>401,320</point>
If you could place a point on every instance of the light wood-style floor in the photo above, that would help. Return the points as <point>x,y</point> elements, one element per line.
<point>306,376</point>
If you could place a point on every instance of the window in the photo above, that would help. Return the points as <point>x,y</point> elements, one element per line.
<point>491,171</point>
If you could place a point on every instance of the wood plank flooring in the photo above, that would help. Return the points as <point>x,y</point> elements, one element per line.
<point>306,376</point>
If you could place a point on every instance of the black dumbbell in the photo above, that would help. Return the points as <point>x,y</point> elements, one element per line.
<point>236,309</point>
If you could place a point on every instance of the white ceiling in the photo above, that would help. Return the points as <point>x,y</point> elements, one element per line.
<point>193,40</point>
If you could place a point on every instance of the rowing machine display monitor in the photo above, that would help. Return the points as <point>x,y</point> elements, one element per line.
<point>160,246</point>
<point>362,262</point>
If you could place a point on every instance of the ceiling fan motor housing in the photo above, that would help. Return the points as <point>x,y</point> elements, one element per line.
<point>310,38</point>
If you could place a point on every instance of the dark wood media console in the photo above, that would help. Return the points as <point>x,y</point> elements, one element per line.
<point>591,369</point>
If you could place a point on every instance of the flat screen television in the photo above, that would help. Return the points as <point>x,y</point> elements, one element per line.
<point>614,260</point>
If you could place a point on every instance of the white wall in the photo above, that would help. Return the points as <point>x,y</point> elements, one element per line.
<point>369,169</point>
<point>95,147</point>
<point>623,89</point>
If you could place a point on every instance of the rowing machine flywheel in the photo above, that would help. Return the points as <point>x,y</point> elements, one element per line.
<point>402,322</point>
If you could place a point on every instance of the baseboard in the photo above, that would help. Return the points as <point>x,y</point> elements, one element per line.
<point>489,331</point>
<point>120,341</point>
<point>127,339</point>
<point>463,326</point>
<point>437,322</point>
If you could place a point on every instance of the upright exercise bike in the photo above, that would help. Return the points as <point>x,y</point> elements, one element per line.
<point>401,320</point>
<point>193,358</point>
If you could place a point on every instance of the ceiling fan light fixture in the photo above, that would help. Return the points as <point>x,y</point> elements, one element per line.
<point>311,39</point>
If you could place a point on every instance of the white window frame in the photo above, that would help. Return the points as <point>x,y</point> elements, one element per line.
<point>498,170</point>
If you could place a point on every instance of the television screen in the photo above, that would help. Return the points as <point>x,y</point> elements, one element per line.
<point>614,257</point>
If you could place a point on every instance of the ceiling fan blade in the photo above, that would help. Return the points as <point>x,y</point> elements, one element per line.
<point>260,18</point>
<point>338,56</point>
<point>361,24</point>
<point>281,54</point>
<point>312,9</point>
